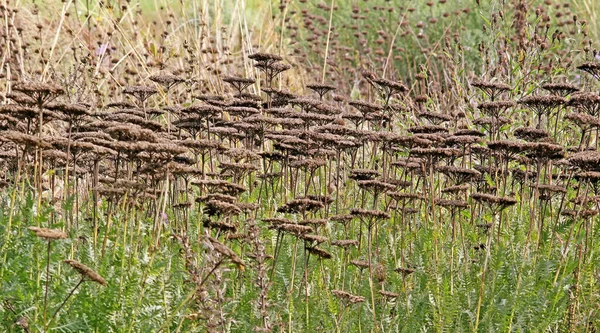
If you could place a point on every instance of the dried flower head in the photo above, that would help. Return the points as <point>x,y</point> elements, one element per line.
<point>48,234</point>
<point>86,272</point>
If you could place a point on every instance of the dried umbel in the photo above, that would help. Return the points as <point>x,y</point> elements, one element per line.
<point>586,160</point>
<point>320,88</point>
<point>345,243</point>
<point>388,294</point>
<point>301,206</point>
<point>508,147</point>
<point>292,228</point>
<point>366,107</point>
<point>491,89</point>
<point>496,202</point>
<point>141,93</point>
<point>458,174</point>
<point>375,186</point>
<point>543,105</point>
<point>347,297</point>
<point>362,264</point>
<point>560,89</point>
<point>544,151</point>
<point>495,109</point>
<point>531,134</point>
<point>405,271</point>
<point>319,252</point>
<point>167,81</point>
<point>86,272</point>
<point>369,214</point>
<point>451,204</point>
<point>593,68</point>
<point>388,88</point>
<point>435,118</point>
<point>583,120</point>
<point>312,238</point>
<point>39,92</point>
<point>427,129</point>
<point>547,191</point>
<point>586,102</point>
<point>48,234</point>
<point>239,83</point>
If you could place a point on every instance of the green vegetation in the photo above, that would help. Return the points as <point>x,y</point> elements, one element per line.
<point>304,166</point>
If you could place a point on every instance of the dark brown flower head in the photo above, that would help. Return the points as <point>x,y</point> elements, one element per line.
<point>342,218</point>
<point>319,252</point>
<point>543,102</point>
<point>436,152</point>
<point>248,97</point>
<point>495,109</point>
<point>365,107</point>
<point>457,174</point>
<point>225,187</point>
<point>219,225</point>
<point>265,57</point>
<point>301,206</point>
<point>239,83</point>
<point>560,89</point>
<point>592,176</point>
<point>25,139</point>
<point>456,189</point>
<point>531,134</point>
<point>391,86</point>
<point>202,110</point>
<point>48,234</point>
<point>583,120</point>
<point>312,238</point>
<point>369,214</point>
<point>547,191</point>
<point>313,222</point>
<point>435,118</point>
<point>347,297</point>
<point>469,132</point>
<point>293,228</point>
<point>69,110</point>
<point>362,264</point>
<point>141,93</point>
<point>451,204</point>
<point>582,214</point>
<point>588,160</point>
<point>39,92</point>
<point>545,151</point>
<point>427,129</point>
<point>508,147</point>
<point>491,89</point>
<point>462,140</point>
<point>587,102</point>
<point>375,186</point>
<point>345,243</point>
<point>492,121</point>
<point>320,88</point>
<point>168,81</point>
<point>86,272</point>
<point>363,174</point>
<point>593,68</point>
<point>496,202</point>
<point>327,109</point>
<point>405,271</point>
